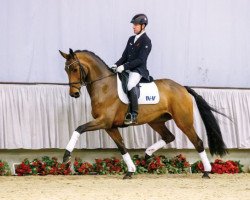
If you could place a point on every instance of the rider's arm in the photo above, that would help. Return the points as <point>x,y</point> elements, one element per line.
<point>142,57</point>
<point>124,57</point>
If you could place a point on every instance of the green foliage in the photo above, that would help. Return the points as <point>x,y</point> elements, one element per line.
<point>4,168</point>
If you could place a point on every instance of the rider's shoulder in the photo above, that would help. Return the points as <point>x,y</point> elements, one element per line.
<point>145,36</point>
<point>146,39</point>
<point>131,38</point>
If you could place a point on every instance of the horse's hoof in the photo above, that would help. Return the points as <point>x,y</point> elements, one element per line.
<point>128,175</point>
<point>206,175</point>
<point>66,157</point>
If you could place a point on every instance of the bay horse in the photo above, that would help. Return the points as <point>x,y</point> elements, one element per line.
<point>86,68</point>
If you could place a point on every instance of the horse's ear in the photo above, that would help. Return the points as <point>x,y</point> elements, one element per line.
<point>66,56</point>
<point>71,52</point>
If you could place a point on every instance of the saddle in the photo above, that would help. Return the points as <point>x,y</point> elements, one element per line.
<point>147,91</point>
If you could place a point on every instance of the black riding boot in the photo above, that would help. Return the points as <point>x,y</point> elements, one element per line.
<point>131,117</point>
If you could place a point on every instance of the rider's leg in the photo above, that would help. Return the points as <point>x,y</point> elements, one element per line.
<point>134,79</point>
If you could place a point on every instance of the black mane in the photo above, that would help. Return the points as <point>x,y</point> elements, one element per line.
<point>93,54</point>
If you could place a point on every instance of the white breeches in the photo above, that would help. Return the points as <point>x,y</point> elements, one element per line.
<point>134,79</point>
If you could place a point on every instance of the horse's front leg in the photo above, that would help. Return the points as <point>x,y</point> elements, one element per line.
<point>96,124</point>
<point>116,136</point>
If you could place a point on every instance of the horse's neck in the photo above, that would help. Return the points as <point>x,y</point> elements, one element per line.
<point>102,90</point>
<point>100,77</point>
<point>96,68</point>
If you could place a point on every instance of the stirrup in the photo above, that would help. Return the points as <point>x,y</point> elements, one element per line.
<point>130,118</point>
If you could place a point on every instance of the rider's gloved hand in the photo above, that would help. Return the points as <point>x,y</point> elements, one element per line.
<point>113,67</point>
<point>120,69</point>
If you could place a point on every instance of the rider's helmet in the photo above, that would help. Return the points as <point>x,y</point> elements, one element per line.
<point>140,19</point>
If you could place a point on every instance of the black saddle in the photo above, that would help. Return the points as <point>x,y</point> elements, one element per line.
<point>124,76</point>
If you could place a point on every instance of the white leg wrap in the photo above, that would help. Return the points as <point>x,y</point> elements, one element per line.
<point>127,159</point>
<point>205,161</point>
<point>158,145</point>
<point>73,140</point>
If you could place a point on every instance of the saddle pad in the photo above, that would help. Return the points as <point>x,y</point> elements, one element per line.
<point>149,93</point>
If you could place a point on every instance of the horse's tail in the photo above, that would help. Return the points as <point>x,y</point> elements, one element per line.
<point>215,140</point>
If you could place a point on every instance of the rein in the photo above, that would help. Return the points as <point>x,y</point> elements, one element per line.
<point>83,76</point>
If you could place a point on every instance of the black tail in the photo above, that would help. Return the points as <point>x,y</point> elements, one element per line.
<point>215,140</point>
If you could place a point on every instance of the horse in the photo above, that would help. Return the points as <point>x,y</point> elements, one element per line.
<point>85,68</point>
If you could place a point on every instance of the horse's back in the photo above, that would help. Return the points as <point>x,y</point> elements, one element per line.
<point>174,95</point>
<point>171,87</point>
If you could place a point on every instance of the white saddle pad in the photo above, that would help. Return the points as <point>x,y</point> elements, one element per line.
<point>149,93</point>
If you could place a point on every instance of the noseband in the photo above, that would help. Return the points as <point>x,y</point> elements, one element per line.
<point>83,74</point>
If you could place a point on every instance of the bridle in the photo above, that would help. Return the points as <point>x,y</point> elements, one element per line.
<point>83,75</point>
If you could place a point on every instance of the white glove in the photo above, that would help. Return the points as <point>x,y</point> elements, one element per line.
<point>113,67</point>
<point>120,69</point>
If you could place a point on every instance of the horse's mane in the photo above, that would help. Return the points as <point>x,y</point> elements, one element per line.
<point>93,54</point>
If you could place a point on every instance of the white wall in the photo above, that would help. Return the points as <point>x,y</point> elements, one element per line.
<point>195,42</point>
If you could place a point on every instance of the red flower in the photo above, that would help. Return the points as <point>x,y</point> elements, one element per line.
<point>76,163</point>
<point>118,169</point>
<point>116,161</point>
<point>107,160</point>
<point>98,161</point>
<point>200,166</point>
<point>158,159</point>
<point>186,164</point>
<point>143,162</point>
<point>137,162</point>
<point>152,166</point>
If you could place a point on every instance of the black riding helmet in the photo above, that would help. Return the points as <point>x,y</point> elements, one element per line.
<point>140,19</point>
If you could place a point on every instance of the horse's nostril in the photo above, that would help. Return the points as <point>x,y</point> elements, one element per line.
<point>76,94</point>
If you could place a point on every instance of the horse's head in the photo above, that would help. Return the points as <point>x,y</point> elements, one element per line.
<point>75,71</point>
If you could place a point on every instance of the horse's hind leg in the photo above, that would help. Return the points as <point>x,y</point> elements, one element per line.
<point>166,136</point>
<point>198,144</point>
<point>116,136</point>
<point>183,116</point>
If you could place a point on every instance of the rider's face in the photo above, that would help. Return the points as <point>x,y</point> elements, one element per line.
<point>137,28</point>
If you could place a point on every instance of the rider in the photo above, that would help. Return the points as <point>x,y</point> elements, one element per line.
<point>134,60</point>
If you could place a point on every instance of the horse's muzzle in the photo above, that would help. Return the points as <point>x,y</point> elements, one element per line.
<point>75,94</point>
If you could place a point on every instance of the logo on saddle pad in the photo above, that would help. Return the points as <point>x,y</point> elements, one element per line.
<point>149,93</point>
<point>150,98</point>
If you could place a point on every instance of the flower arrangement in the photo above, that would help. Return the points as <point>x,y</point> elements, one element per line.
<point>101,166</point>
<point>4,168</point>
<point>45,166</point>
<point>177,165</point>
<point>24,168</point>
<point>140,163</point>
<point>155,165</point>
<point>109,166</point>
<point>229,167</point>
<point>219,167</point>
<point>162,165</point>
<point>82,168</point>
<point>197,167</point>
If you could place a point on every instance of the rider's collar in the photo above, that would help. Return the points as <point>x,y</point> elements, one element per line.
<point>139,35</point>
